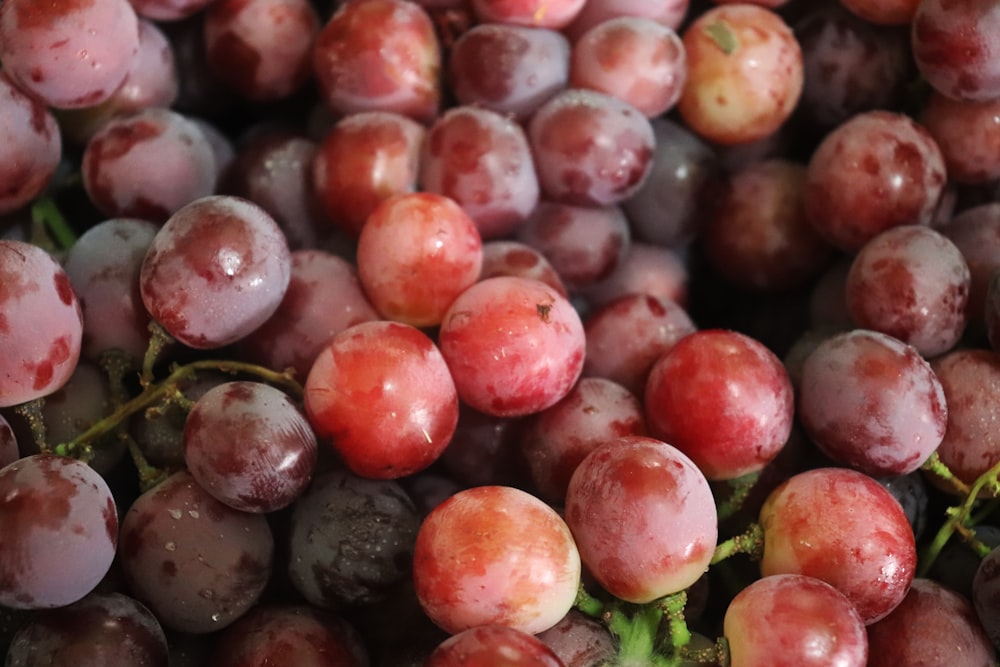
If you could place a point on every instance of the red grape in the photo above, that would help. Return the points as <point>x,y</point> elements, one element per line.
<point>493,645</point>
<point>382,393</point>
<point>643,517</point>
<point>955,46</point>
<point>647,268</point>
<point>514,345</point>
<point>540,13</point>
<point>32,146</point>
<point>968,134</point>
<point>495,554</point>
<point>513,258</point>
<point>670,13</point>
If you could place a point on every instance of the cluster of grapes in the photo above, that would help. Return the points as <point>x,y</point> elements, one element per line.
<point>556,333</point>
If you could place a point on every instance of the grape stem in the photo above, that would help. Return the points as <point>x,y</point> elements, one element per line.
<point>153,393</point>
<point>47,215</point>
<point>957,517</point>
<point>741,488</point>
<point>935,465</point>
<point>751,542</point>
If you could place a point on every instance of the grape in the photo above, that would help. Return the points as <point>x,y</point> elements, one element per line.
<point>32,145</point>
<point>506,68</point>
<point>723,399</point>
<point>350,539</point>
<point>196,563</point>
<point>976,232</point>
<point>286,634</point>
<point>481,160</point>
<point>323,298</point>
<point>495,554</point>
<point>584,244</point>
<point>273,170</point>
<point>41,326</point>
<point>911,492</point>
<point>103,267</point>
<point>667,207</point>
<point>968,134</point>
<point>646,269</point>
<point>970,380</point>
<point>633,58</point>
<point>539,13</point>
<point>791,619</point>
<point>9,451</point>
<point>850,64</point>
<point>365,158</point>
<point>744,74</point>
<point>580,641</point>
<point>872,402</point>
<point>493,645</point>
<point>884,12</point>
<point>667,12</point>
<point>261,48</point>
<point>148,165</point>
<point>52,506</point>
<point>757,235</point>
<point>379,55</point>
<point>591,149</point>
<point>912,283</point>
<point>514,346</point>
<point>101,629</point>
<point>382,394</point>
<point>875,171</point>
<point>68,54</point>
<point>169,10</point>
<point>513,258</point>
<point>933,625</point>
<point>626,336</point>
<point>485,450</point>
<point>955,45</point>
<point>555,440</point>
<point>215,271</point>
<point>249,446</point>
<point>863,547</point>
<point>643,517</point>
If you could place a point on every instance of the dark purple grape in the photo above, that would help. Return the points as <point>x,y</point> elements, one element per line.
<point>911,492</point>
<point>249,446</point>
<point>60,528</point>
<point>196,563</point>
<point>215,271</point>
<point>580,641</point>
<point>351,539</point>
<point>289,635</point>
<point>103,267</point>
<point>100,630</point>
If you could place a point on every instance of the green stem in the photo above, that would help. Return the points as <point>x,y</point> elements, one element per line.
<point>587,603</point>
<point>44,212</point>
<point>956,516</point>
<point>741,488</point>
<point>636,635</point>
<point>673,609</point>
<point>149,475</point>
<point>936,466</point>
<point>750,542</point>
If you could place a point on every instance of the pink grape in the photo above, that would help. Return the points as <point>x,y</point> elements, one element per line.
<point>493,644</point>
<point>643,517</point>
<point>512,258</point>
<point>514,345</point>
<point>31,146</point>
<point>215,271</point>
<point>954,46</point>
<point>41,325</point>
<point>864,546</point>
<point>790,619</point>
<point>495,554</point>
<point>68,53</point>
<point>540,13</point>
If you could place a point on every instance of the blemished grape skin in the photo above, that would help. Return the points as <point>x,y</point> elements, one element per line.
<point>670,13</point>
<point>968,135</point>
<point>539,13</point>
<point>790,620</point>
<point>261,48</point>
<point>871,402</point>
<point>912,283</point>
<point>68,53</point>
<point>495,554</point>
<point>169,10</point>
<point>643,517</point>
<point>863,546</point>
<point>41,325</point>
<point>590,148</point>
<point>51,506</point>
<point>103,267</point>
<point>31,146</point>
<point>580,640</point>
<point>932,626</point>
<point>101,629</point>
<point>514,345</point>
<point>350,540</point>
<point>148,165</point>
<point>502,257</point>
<point>955,45</point>
<point>196,563</point>
<point>215,271</point>
<point>250,446</point>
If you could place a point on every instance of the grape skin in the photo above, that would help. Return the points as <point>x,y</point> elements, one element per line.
<point>32,146</point>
